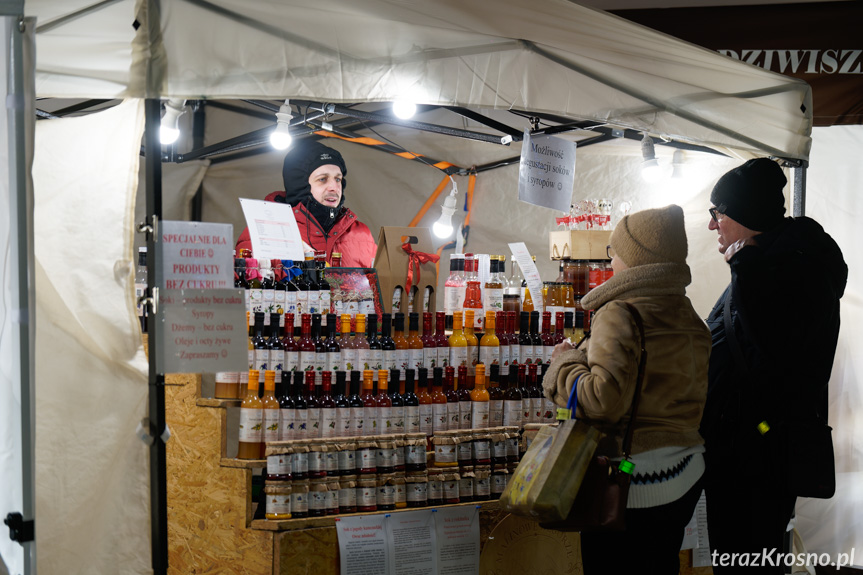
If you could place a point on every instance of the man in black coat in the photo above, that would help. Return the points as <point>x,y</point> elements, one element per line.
<point>782,307</point>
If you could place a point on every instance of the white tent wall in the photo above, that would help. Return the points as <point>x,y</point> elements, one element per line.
<point>92,480</point>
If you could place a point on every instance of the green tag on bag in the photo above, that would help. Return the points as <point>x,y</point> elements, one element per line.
<point>564,413</point>
<point>763,427</point>
<point>626,466</point>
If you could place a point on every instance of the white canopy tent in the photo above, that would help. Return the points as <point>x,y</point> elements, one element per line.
<point>551,56</point>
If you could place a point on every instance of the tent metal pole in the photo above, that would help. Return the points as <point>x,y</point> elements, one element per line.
<point>798,200</point>
<point>199,119</point>
<point>156,412</point>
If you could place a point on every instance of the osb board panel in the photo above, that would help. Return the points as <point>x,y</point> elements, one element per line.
<point>686,567</point>
<point>207,503</point>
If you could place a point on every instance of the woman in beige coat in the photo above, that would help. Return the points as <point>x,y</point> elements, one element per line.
<point>648,253</point>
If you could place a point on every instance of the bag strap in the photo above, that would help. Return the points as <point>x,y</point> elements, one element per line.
<point>642,362</point>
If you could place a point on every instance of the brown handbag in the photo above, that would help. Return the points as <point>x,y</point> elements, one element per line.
<point>600,504</point>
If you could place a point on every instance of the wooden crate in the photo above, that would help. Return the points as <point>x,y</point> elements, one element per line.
<point>578,244</point>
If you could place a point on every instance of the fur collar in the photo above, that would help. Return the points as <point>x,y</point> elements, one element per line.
<point>640,281</point>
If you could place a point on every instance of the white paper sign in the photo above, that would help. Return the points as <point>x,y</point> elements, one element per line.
<point>530,273</point>
<point>413,543</point>
<point>273,230</point>
<point>457,533</point>
<point>546,172</point>
<point>196,255</point>
<point>701,554</point>
<point>201,331</point>
<point>362,545</point>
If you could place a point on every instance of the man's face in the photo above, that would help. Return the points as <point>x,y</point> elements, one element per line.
<point>729,231</point>
<point>326,185</point>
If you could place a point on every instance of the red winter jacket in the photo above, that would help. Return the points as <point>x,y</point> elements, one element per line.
<point>349,236</point>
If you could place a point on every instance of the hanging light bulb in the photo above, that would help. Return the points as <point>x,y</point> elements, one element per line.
<point>169,127</point>
<point>650,170</point>
<point>281,137</point>
<point>677,165</point>
<point>404,109</point>
<point>442,228</point>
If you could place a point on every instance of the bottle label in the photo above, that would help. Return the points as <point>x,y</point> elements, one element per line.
<point>262,361</point>
<point>277,360</point>
<point>291,304</point>
<point>308,360</point>
<point>347,461</point>
<point>526,355</point>
<point>385,421</point>
<point>427,418</point>
<point>343,422</point>
<point>453,415</point>
<point>402,360</point>
<point>464,409</point>
<point>416,358</point>
<point>350,358</point>
<point>325,303</point>
<point>472,359</point>
<point>512,447</point>
<point>415,454</point>
<point>279,304</point>
<point>442,357</point>
<point>328,422</point>
<point>256,301</point>
<point>430,358</point>
<point>495,413</point>
<point>458,356</point>
<point>452,303</point>
<point>479,417</point>
<point>445,454</point>
<point>435,492</point>
<point>299,502</point>
<point>548,349</point>
<point>301,423</point>
<point>386,495</point>
<point>317,461</point>
<point>286,424</point>
<point>370,415</point>
<point>271,424</point>
<point>417,492</point>
<point>512,412</point>
<point>498,482</point>
<point>390,361</point>
<point>549,410</point>
<point>488,355</point>
<point>504,360</point>
<point>269,303</point>
<point>440,417</point>
<point>334,361</point>
<point>492,299</point>
<point>397,416</point>
<point>368,458</point>
<point>526,410</point>
<point>465,488</point>
<point>348,497</point>
<point>320,362</point>
<point>318,500</point>
<point>299,463</point>
<point>536,406</point>
<point>366,307</point>
<point>462,291</point>
<point>412,419</point>
<point>279,464</point>
<point>377,358</point>
<point>482,487</point>
<point>333,497</point>
<point>251,364</point>
<point>364,357</point>
<point>314,301</point>
<point>499,449</point>
<point>313,425</point>
<point>514,354</point>
<point>358,416</point>
<point>302,307</point>
<point>251,424</point>
<point>292,361</point>
<point>367,496</point>
<point>385,457</point>
<point>450,490</point>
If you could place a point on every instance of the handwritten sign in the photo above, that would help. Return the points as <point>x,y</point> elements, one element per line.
<point>457,536</point>
<point>197,255</point>
<point>531,274</point>
<point>273,230</point>
<point>546,171</point>
<point>363,545</point>
<point>201,331</point>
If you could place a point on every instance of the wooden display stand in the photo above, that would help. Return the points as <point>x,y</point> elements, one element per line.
<point>210,509</point>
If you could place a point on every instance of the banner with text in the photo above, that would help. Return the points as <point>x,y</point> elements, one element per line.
<point>196,255</point>
<point>546,172</point>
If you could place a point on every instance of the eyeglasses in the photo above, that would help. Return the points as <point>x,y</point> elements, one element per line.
<point>609,252</point>
<point>715,213</point>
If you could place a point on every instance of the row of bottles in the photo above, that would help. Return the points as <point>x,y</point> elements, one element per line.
<point>305,410</point>
<point>504,343</point>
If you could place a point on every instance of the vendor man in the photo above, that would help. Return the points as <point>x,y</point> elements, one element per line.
<point>314,177</point>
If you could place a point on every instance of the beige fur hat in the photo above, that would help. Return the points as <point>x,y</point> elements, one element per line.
<point>651,237</point>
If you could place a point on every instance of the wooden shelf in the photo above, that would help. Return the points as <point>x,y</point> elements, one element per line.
<point>213,402</point>
<point>330,520</point>
<point>243,463</point>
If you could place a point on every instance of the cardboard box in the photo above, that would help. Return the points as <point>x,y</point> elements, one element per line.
<point>579,244</point>
<point>391,262</point>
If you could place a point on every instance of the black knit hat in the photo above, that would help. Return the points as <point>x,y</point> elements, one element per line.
<point>304,157</point>
<point>751,194</point>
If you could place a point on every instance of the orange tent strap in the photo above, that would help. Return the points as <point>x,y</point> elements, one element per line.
<point>471,184</point>
<point>429,202</point>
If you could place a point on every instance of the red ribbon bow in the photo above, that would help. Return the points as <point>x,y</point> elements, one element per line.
<point>416,259</point>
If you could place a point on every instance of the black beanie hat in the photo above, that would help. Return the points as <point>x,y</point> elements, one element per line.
<point>751,194</point>
<point>304,157</point>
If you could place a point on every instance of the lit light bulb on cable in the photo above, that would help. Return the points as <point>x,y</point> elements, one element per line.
<point>281,137</point>
<point>169,126</point>
<point>442,228</point>
<point>650,169</point>
<point>404,109</point>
